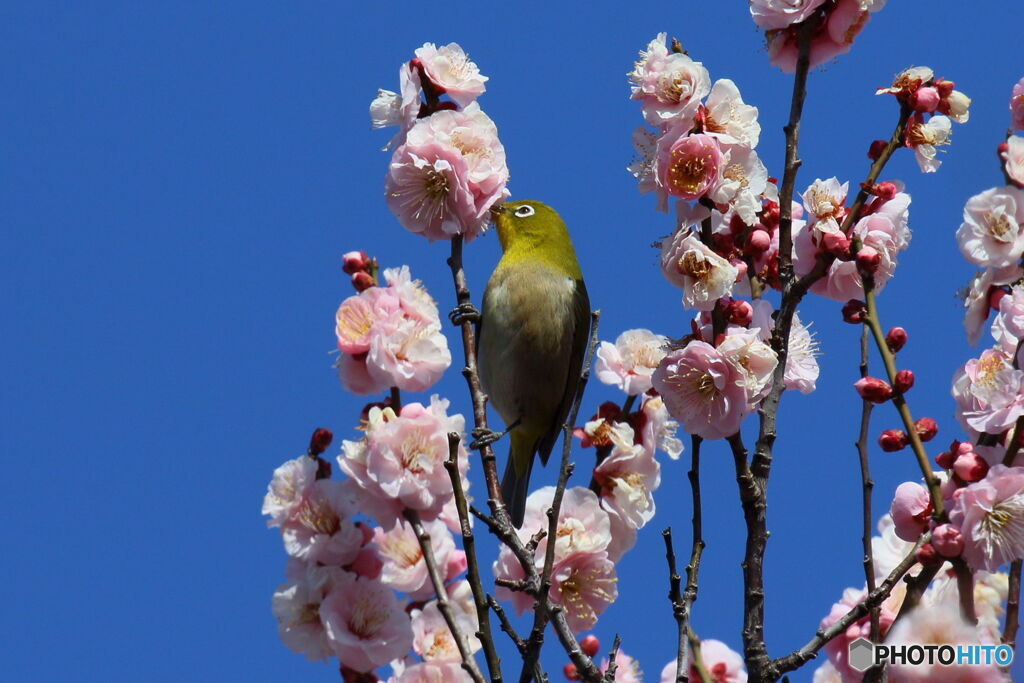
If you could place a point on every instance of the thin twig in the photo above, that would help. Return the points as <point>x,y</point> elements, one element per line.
<point>698,658</point>
<point>1012,606</point>
<point>613,666</point>
<point>472,567</point>
<point>676,599</point>
<point>443,604</point>
<point>506,625</point>
<point>866,486</point>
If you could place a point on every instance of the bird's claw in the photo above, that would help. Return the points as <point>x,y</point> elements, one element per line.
<point>464,312</point>
<point>484,437</point>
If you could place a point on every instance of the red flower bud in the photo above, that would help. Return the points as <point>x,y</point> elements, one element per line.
<point>740,312</point>
<point>758,242</point>
<point>904,381</point>
<point>854,311</point>
<point>736,224</point>
<point>873,389</point>
<point>945,460</point>
<point>590,646</point>
<point>924,99</point>
<point>362,281</point>
<point>875,150</point>
<point>892,440</point>
<point>570,672</point>
<point>868,259</point>
<point>926,428</point>
<point>947,540</point>
<point>320,440</point>
<point>995,295</point>
<point>885,190</point>
<point>970,467</point>
<point>836,243</point>
<point>926,555</point>
<point>1002,149</point>
<point>944,87</point>
<point>354,261</point>
<point>896,338</point>
<point>770,216</point>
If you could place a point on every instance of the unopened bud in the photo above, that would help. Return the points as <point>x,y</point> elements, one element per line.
<point>945,460</point>
<point>873,389</point>
<point>770,216</point>
<point>995,295</point>
<point>892,440</point>
<point>590,645</point>
<point>1002,149</point>
<point>925,99</point>
<point>740,312</point>
<point>875,150</point>
<point>736,224</point>
<point>759,241</point>
<point>362,281</point>
<point>354,261</point>
<point>926,555</point>
<point>944,87</point>
<point>868,259</point>
<point>970,467</point>
<point>320,440</point>
<point>926,428</point>
<point>854,311</point>
<point>904,381</point>
<point>836,243</point>
<point>570,672</point>
<point>885,190</point>
<point>947,540</point>
<point>896,339</point>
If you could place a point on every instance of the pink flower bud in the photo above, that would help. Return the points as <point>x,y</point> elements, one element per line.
<point>868,259</point>
<point>320,440</point>
<point>759,241</point>
<point>740,312</point>
<point>854,311</point>
<point>926,429</point>
<point>885,190</point>
<point>911,510</point>
<point>570,672</point>
<point>741,269</point>
<point>770,216</point>
<point>873,389</point>
<point>892,440</point>
<point>875,150</point>
<point>836,243</point>
<point>354,261</point>
<point>970,467</point>
<point>947,540</point>
<point>362,281</point>
<point>926,555</point>
<point>896,338</point>
<point>904,381</point>
<point>925,99</point>
<point>590,646</point>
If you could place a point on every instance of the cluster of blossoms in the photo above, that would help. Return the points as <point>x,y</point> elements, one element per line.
<point>448,167</point>
<point>921,93</point>
<point>722,664</point>
<point>389,336</point>
<point>936,618</point>
<point>834,24</point>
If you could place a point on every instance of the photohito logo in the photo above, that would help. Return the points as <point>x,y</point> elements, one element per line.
<point>865,654</point>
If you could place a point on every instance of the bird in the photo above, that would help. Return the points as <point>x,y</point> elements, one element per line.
<point>534,327</point>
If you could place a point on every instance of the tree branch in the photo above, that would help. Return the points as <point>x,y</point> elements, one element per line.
<point>866,486</point>
<point>1012,606</point>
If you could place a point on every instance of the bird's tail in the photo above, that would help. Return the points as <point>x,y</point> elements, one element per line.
<point>515,484</point>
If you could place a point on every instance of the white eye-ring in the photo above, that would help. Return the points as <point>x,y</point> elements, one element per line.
<point>525,210</point>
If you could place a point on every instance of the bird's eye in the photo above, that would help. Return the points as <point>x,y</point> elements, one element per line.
<point>525,210</point>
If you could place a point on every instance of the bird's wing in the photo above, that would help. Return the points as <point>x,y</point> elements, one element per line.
<point>581,335</point>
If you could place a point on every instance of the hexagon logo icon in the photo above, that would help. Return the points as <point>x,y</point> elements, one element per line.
<point>862,654</point>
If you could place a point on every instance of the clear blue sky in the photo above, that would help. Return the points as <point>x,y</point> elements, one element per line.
<point>179,180</point>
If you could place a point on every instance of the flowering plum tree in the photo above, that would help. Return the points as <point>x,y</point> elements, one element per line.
<point>375,577</point>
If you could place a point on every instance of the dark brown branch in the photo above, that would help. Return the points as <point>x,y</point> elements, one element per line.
<point>965,588</point>
<point>483,617</point>
<point>916,586</point>
<point>613,666</point>
<point>443,604</point>
<point>1012,606</point>
<point>866,487</point>
<point>506,625</point>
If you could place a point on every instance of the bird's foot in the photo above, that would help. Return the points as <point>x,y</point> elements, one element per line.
<point>485,437</point>
<point>465,312</point>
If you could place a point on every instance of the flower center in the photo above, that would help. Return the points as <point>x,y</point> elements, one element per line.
<point>366,619</point>
<point>318,516</point>
<point>988,370</point>
<point>435,184</point>
<point>998,225</point>
<point>695,265</point>
<point>687,172</point>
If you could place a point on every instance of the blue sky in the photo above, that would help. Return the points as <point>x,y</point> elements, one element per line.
<point>179,182</point>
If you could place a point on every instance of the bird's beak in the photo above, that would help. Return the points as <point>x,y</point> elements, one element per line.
<point>497,210</point>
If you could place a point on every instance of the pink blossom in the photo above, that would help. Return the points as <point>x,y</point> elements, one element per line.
<point>320,529</point>
<point>722,664</point>
<point>990,514</point>
<point>834,38</point>
<point>668,85</point>
<point>754,360</point>
<point>288,489</point>
<point>412,298</point>
<point>908,81</point>
<point>1013,159</point>
<point>628,478</point>
<point>741,183</point>
<point>433,640</point>
<point>1017,106</point>
<point>404,567</point>
<point>508,567</point>
<point>296,606</point>
<point>627,669</point>
<point>939,624</point>
<point>401,462</point>
<point>448,173</point>
<point>450,68</point>
<point>838,648</point>
<point>358,314</point>
<point>948,540</point>
<point>584,584</point>
<point>583,525</point>
<point>802,359</point>
<point>825,200</point>
<point>432,672</point>
<point>703,275</point>
<point>366,626</point>
<point>355,376</point>
<point>688,165</point>
<point>629,363</point>
<point>976,297</point>
<point>623,537</point>
<point>924,138</point>
<point>398,109</point>
<point>991,234</point>
<point>407,353</point>
<point>644,168</point>
<point>911,510</point>
<point>728,119</point>
<point>655,428</point>
<point>702,390</point>
<point>776,14</point>
<point>989,393</point>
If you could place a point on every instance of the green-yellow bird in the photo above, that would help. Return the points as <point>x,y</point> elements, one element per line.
<point>533,336</point>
